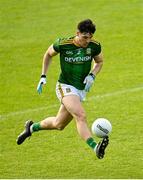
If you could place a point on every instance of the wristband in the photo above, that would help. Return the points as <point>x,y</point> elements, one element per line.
<point>91,74</point>
<point>43,76</point>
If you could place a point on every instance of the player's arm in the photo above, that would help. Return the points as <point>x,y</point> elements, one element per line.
<point>47,59</point>
<point>89,79</point>
<point>98,63</point>
<point>46,62</point>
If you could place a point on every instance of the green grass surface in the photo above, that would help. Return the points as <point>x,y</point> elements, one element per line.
<point>27,28</point>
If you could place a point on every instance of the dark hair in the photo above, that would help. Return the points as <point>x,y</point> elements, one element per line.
<point>86,26</point>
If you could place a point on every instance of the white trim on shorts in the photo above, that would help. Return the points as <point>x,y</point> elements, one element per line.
<point>63,90</point>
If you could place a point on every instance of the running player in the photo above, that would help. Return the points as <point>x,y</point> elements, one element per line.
<point>75,80</point>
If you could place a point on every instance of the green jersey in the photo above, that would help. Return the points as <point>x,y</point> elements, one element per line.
<point>75,61</point>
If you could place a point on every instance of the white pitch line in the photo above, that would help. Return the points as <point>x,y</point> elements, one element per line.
<point>27,111</point>
<point>116,93</point>
<point>89,99</point>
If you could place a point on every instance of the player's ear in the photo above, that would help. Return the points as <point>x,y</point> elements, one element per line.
<point>77,33</point>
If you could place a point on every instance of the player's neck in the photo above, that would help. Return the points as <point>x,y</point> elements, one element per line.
<point>76,41</point>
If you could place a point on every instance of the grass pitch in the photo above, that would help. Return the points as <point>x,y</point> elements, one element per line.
<point>27,28</point>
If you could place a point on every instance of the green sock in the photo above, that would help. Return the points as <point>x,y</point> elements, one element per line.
<point>90,141</point>
<point>36,127</point>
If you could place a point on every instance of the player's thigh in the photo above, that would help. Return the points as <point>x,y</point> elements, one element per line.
<point>63,117</point>
<point>74,106</point>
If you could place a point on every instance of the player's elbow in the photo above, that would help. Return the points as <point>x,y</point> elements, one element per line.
<point>101,63</point>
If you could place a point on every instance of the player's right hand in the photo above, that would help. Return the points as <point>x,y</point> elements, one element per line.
<point>41,83</point>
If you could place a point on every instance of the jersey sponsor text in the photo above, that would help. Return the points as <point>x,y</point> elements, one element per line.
<point>77,59</point>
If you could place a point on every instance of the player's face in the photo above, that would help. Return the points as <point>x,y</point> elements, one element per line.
<point>84,38</point>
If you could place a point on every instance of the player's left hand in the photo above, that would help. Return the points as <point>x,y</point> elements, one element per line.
<point>88,81</point>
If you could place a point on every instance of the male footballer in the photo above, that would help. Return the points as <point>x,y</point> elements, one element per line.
<point>75,80</point>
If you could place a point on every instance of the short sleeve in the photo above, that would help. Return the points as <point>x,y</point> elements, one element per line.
<point>96,49</point>
<point>56,45</point>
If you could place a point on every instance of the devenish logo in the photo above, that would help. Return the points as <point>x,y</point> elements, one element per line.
<point>78,59</point>
<point>102,129</point>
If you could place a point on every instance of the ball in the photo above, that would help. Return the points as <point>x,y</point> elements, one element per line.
<point>101,127</point>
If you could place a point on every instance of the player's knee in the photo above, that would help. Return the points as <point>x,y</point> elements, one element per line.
<point>59,126</point>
